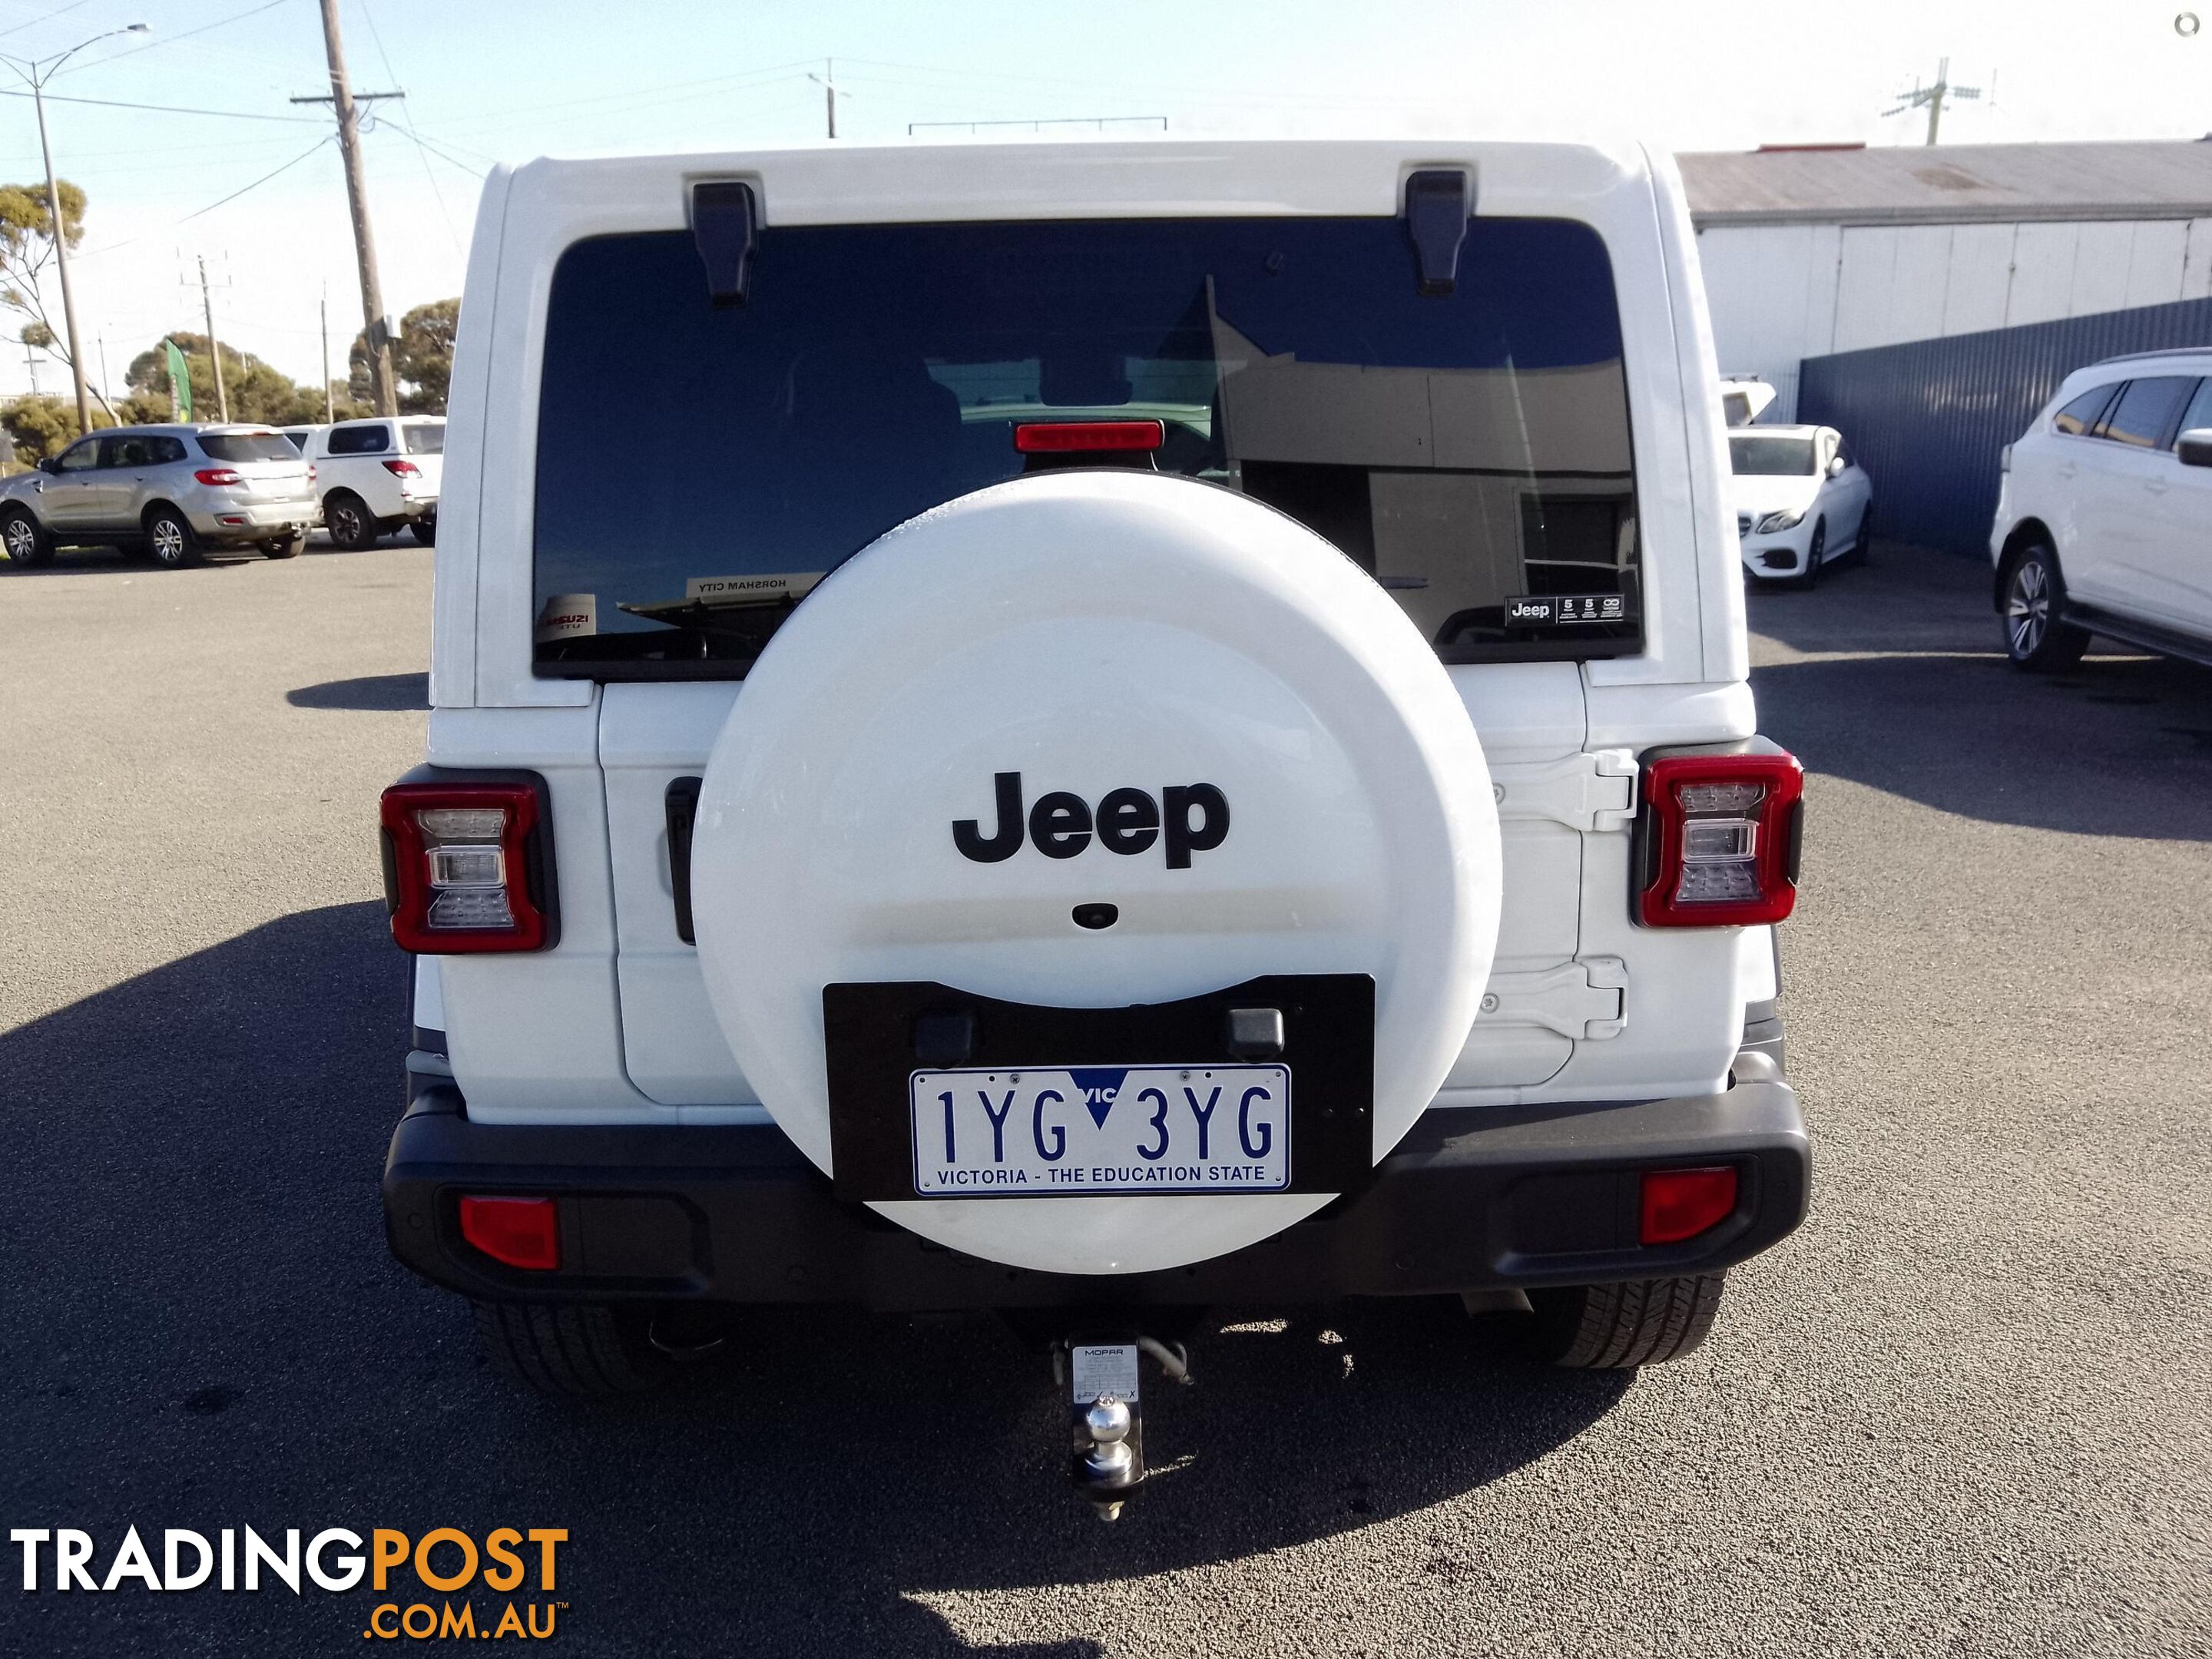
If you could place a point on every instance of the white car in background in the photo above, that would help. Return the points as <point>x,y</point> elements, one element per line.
<point>379,475</point>
<point>2104,521</point>
<point>1801,500</point>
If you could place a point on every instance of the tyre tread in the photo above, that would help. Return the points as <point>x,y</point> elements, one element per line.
<point>1645,1321</point>
<point>567,1353</point>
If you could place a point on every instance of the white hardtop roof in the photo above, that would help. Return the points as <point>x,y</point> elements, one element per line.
<point>1067,178</point>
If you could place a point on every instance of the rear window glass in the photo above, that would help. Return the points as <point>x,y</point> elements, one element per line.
<point>1471,450</point>
<point>2140,416</point>
<point>359,441</point>
<point>424,438</point>
<point>2080,415</point>
<point>1770,458</point>
<point>248,447</point>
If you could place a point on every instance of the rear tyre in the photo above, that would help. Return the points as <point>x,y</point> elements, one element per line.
<point>352,526</point>
<point>582,1352</point>
<point>286,547</point>
<point>169,539</point>
<point>2036,640</point>
<point>425,530</point>
<point>26,539</point>
<point>1621,1327</point>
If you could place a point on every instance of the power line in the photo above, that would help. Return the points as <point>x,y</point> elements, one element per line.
<point>172,40</point>
<point>256,184</point>
<point>407,127</point>
<point>171,109</point>
<point>450,160</point>
<point>45,17</point>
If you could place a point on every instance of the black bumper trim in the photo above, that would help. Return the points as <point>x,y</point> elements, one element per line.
<point>1474,1198</point>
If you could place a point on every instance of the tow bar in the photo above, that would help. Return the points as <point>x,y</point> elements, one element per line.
<point>1106,1413</point>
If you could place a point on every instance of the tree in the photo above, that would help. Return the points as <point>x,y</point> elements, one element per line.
<point>27,248</point>
<point>421,359</point>
<point>39,427</point>
<point>257,391</point>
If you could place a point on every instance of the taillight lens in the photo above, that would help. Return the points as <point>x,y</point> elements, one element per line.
<point>1721,839</point>
<point>311,475</point>
<point>1075,437</point>
<point>523,1233</point>
<point>459,862</point>
<point>1680,1204</point>
<point>218,476</point>
<point>402,469</point>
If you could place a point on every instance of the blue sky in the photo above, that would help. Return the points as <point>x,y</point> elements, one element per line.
<point>490,80</point>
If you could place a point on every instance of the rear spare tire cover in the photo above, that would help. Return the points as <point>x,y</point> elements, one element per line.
<point>1095,631</point>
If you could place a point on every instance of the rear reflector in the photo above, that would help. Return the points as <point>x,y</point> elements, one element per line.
<point>523,1233</point>
<point>1069,437</point>
<point>459,862</point>
<point>1720,840</point>
<point>1680,1204</point>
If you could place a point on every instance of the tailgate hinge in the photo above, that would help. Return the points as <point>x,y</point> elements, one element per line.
<point>1586,998</point>
<point>1594,792</point>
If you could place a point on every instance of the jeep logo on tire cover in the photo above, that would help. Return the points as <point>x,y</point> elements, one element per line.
<point>1189,817</point>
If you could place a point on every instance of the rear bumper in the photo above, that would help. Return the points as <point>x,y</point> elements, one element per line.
<point>254,521</point>
<point>1475,1198</point>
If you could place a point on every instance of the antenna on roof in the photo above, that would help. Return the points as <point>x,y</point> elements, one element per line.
<point>1932,99</point>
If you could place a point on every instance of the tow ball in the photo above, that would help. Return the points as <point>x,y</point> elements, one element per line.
<point>1106,1412</point>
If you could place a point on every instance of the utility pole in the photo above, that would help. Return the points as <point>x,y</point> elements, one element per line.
<point>828,81</point>
<point>31,368</point>
<point>1932,99</point>
<point>36,72</point>
<point>215,351</point>
<point>330,405</point>
<point>383,389</point>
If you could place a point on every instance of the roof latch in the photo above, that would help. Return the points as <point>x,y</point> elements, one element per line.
<point>1438,203</point>
<point>725,227</point>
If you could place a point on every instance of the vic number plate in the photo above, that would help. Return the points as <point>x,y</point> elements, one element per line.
<point>1101,1129</point>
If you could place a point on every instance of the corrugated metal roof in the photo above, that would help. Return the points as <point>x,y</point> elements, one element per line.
<point>1949,183</point>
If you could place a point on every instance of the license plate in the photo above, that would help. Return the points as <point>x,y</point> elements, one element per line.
<point>1041,1132</point>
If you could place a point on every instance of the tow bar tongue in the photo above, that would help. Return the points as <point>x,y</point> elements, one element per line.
<point>1105,1412</point>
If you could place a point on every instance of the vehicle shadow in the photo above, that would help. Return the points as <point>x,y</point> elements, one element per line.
<point>200,1325</point>
<point>367,692</point>
<point>1897,680</point>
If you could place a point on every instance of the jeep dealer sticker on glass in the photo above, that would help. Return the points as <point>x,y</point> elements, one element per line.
<point>1101,1129</point>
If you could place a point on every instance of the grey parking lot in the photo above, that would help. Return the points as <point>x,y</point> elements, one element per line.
<point>1965,1410</point>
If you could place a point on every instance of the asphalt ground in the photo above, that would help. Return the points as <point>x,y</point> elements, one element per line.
<point>1964,1411</point>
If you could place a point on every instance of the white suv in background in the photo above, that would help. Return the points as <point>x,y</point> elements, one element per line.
<point>378,474</point>
<point>2104,521</point>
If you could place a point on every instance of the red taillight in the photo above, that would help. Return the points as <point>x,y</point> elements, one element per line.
<point>1680,1204</point>
<point>523,1233</point>
<point>458,864</point>
<point>311,475</point>
<point>1069,437</point>
<point>402,469</point>
<point>218,476</point>
<point>1721,838</point>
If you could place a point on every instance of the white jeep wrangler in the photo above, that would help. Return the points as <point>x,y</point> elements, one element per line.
<point>1166,725</point>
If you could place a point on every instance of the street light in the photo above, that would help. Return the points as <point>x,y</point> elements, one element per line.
<point>36,72</point>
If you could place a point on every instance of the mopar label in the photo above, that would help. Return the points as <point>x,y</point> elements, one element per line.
<point>1186,819</point>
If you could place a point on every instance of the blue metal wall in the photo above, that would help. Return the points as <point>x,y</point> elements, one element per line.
<point>1928,417</point>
